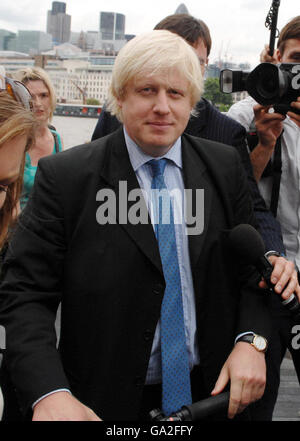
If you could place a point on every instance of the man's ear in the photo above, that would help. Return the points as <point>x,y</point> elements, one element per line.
<point>120,102</point>
<point>277,55</point>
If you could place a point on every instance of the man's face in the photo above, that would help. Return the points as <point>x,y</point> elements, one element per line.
<point>156,109</point>
<point>201,51</point>
<point>291,52</point>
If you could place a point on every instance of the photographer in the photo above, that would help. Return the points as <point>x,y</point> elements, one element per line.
<point>281,130</point>
<point>276,162</point>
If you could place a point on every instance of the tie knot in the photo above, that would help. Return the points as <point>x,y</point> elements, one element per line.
<point>158,166</point>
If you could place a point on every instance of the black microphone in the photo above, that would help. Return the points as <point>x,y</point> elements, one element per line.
<point>249,246</point>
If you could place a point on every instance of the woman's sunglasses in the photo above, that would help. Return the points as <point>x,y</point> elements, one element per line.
<point>3,188</point>
<point>19,92</point>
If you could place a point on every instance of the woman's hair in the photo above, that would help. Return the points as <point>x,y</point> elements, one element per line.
<point>14,121</point>
<point>153,53</point>
<point>34,74</point>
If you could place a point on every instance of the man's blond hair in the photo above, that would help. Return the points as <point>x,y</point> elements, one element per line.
<point>152,53</point>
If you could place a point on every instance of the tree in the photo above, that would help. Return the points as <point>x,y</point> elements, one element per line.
<point>212,93</point>
<point>92,101</point>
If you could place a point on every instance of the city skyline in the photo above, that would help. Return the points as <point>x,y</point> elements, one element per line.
<point>237,28</point>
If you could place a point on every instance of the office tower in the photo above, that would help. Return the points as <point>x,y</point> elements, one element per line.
<point>59,23</point>
<point>182,9</point>
<point>6,37</point>
<point>33,42</point>
<point>112,26</point>
<point>58,8</point>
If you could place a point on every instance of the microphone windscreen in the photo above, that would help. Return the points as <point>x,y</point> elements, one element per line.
<point>247,243</point>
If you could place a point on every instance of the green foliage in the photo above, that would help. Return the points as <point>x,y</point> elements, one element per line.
<point>212,93</point>
<point>92,101</point>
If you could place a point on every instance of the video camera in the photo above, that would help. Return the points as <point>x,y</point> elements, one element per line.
<point>269,84</point>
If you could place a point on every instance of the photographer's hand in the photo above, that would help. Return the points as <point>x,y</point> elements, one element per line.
<point>284,277</point>
<point>265,57</point>
<point>269,127</point>
<point>294,116</point>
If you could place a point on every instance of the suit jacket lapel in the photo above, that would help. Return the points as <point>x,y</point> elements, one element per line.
<point>117,168</point>
<point>195,178</point>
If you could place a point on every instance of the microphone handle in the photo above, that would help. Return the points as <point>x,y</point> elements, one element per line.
<point>207,407</point>
<point>265,269</point>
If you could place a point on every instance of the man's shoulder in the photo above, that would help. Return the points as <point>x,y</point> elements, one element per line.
<point>221,161</point>
<point>89,153</point>
<point>209,149</point>
<point>220,126</point>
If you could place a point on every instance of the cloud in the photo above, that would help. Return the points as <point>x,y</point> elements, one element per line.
<point>31,15</point>
<point>254,5</point>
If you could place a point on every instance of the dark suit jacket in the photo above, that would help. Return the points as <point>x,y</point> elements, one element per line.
<point>211,124</point>
<point>110,281</point>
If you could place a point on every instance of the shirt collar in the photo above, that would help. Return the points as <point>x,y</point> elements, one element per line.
<point>138,158</point>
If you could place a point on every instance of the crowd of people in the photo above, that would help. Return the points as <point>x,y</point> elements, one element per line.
<point>151,316</point>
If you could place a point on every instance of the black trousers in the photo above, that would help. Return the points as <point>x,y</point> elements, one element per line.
<point>262,410</point>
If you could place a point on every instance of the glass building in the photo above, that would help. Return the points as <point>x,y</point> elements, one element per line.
<point>112,26</point>
<point>59,23</point>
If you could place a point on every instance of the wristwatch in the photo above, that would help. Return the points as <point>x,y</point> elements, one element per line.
<point>259,342</point>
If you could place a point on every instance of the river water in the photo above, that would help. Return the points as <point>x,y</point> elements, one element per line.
<point>74,131</point>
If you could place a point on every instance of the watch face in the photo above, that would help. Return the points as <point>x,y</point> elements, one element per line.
<point>260,343</point>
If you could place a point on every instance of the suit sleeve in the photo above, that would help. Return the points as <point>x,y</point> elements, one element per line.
<point>254,304</point>
<point>30,292</point>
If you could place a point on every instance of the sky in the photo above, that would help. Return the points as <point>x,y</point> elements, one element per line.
<point>237,26</point>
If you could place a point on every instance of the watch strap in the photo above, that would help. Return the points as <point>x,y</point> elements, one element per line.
<point>251,338</point>
<point>247,338</point>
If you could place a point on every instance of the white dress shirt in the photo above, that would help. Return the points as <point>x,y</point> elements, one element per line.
<point>288,212</point>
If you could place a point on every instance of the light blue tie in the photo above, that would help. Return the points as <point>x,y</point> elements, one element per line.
<point>176,388</point>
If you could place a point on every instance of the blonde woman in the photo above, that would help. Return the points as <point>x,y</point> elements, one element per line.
<point>16,135</point>
<point>47,141</point>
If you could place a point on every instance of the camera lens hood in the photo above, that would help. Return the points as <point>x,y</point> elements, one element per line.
<point>266,84</point>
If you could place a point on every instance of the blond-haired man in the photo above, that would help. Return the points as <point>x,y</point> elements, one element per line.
<point>125,279</point>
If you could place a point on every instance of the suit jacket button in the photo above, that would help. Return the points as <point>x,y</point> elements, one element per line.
<point>147,335</point>
<point>157,289</point>
<point>138,381</point>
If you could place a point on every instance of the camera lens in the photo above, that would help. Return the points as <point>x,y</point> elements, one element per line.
<point>263,84</point>
<point>267,86</point>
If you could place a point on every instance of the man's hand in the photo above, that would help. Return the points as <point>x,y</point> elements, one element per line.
<point>294,116</point>
<point>62,406</point>
<point>265,56</point>
<point>246,369</point>
<point>269,127</point>
<point>284,277</point>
